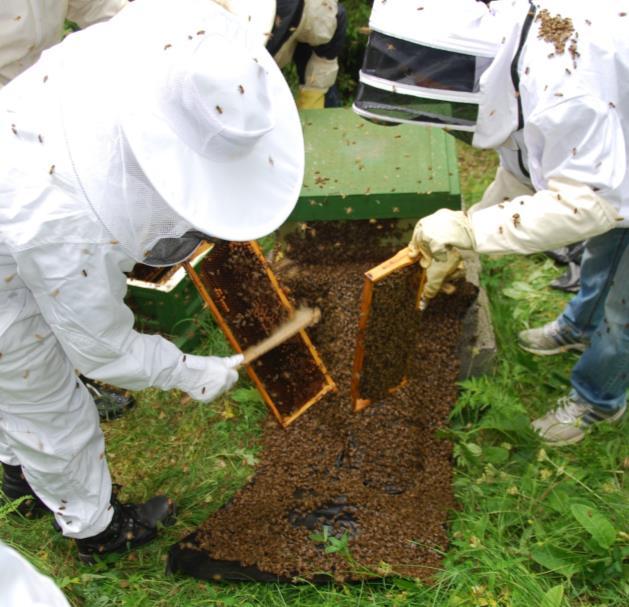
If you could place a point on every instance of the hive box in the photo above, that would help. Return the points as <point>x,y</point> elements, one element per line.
<point>359,170</point>
<point>165,301</point>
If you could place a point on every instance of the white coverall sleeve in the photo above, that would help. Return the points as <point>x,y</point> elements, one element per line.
<point>88,12</point>
<point>505,186</point>
<point>80,292</point>
<point>564,213</point>
<point>577,160</point>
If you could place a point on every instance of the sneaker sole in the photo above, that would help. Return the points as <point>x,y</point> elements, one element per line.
<point>557,350</point>
<point>564,443</point>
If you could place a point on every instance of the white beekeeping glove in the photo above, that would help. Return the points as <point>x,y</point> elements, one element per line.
<point>205,378</point>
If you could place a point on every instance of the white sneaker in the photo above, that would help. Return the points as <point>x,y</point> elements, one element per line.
<point>549,339</point>
<point>568,423</point>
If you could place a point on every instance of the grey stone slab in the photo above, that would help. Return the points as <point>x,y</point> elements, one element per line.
<point>478,342</point>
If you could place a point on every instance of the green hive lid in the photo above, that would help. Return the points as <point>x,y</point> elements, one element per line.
<point>359,170</point>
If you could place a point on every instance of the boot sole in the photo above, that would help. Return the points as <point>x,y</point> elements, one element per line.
<point>90,559</point>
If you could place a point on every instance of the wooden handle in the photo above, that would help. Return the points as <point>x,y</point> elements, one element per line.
<point>302,318</point>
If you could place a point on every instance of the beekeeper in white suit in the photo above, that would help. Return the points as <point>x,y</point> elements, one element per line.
<point>126,143</point>
<point>554,103</point>
<point>309,33</point>
<point>28,27</point>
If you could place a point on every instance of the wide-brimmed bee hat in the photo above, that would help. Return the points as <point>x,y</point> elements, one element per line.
<point>175,107</point>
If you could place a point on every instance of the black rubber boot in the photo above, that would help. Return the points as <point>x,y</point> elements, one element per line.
<point>132,525</point>
<point>15,486</point>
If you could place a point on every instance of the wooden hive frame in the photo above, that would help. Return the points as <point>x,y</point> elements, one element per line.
<point>214,304</point>
<point>399,261</point>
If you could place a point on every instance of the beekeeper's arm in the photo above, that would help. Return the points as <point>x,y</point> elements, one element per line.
<point>505,186</point>
<point>88,12</point>
<point>581,157</point>
<point>80,290</point>
<point>322,27</point>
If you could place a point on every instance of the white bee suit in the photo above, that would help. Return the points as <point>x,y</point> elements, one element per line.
<point>572,124</point>
<point>574,130</point>
<point>77,211</point>
<point>27,27</point>
<point>23,586</point>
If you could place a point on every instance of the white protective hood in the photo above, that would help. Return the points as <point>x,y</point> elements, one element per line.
<point>574,99</point>
<point>423,63</point>
<point>456,25</point>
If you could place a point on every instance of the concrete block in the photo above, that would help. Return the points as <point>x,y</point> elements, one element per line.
<point>478,342</point>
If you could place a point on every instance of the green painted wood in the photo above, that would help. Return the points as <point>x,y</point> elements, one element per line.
<point>174,314</point>
<point>359,170</point>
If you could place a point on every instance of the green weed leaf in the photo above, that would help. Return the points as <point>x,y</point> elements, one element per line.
<point>595,523</point>
<point>553,598</point>
<point>554,560</point>
<point>495,455</point>
<point>473,449</point>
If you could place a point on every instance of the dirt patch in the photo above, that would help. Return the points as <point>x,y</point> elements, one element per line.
<point>380,478</point>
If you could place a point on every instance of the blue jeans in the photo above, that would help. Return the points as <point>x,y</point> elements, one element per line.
<point>599,314</point>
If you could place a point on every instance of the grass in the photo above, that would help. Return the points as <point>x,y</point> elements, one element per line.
<point>533,527</point>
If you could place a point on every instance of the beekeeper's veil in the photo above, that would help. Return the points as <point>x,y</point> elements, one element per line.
<point>424,61</point>
<point>177,119</point>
